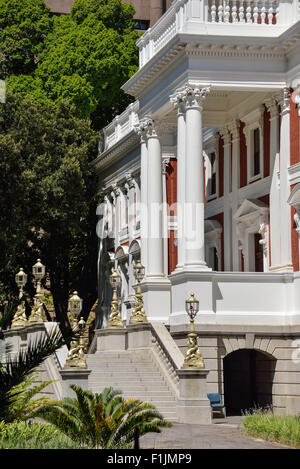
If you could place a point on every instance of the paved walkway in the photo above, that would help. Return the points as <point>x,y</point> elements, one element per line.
<point>222,434</point>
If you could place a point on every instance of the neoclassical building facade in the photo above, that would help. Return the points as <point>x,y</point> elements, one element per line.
<point>200,178</point>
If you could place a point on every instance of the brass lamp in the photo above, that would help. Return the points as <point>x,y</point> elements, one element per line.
<point>138,314</point>
<point>115,319</point>
<point>20,319</point>
<point>75,304</point>
<point>193,358</point>
<point>37,313</point>
<point>21,279</point>
<point>38,271</point>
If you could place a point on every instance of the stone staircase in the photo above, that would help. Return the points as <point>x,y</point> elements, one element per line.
<point>134,372</point>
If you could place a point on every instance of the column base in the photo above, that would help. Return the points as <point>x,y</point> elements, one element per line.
<point>157,298</point>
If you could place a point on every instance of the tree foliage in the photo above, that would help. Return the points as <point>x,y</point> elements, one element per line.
<point>85,59</point>
<point>24,25</point>
<point>47,193</point>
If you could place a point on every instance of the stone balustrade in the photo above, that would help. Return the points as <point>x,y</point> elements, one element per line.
<point>189,16</point>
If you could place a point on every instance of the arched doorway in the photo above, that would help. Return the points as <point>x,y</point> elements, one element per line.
<point>248,380</point>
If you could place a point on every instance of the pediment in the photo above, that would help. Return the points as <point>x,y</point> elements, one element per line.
<point>251,208</point>
<point>294,198</point>
<point>121,252</point>
<point>212,227</point>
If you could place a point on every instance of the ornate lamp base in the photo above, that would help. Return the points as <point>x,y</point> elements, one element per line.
<point>193,358</point>
<point>19,319</point>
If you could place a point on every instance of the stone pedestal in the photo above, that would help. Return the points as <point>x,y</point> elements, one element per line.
<point>139,336</point>
<point>16,339</point>
<point>73,376</point>
<point>193,405</point>
<point>111,339</point>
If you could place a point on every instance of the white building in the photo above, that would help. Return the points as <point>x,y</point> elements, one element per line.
<point>200,177</point>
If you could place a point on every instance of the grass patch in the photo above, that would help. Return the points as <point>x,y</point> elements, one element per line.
<point>283,429</point>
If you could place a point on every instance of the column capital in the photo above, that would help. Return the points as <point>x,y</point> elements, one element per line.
<point>115,189</point>
<point>225,134</point>
<point>130,180</point>
<point>272,107</point>
<point>234,129</point>
<point>189,96</point>
<point>165,164</point>
<point>284,101</point>
<point>149,128</point>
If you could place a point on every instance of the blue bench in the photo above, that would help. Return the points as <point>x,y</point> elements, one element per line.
<point>216,404</point>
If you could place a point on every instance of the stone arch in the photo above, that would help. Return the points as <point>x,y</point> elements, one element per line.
<point>248,375</point>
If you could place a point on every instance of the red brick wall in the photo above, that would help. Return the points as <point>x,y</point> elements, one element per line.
<point>243,157</point>
<point>295,137</point>
<point>171,186</point>
<point>295,239</point>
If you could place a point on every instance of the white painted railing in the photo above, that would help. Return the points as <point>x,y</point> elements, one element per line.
<point>184,16</point>
<point>120,126</point>
<point>248,11</point>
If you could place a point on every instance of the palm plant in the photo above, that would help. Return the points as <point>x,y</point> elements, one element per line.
<point>17,368</point>
<point>102,420</point>
<point>24,402</point>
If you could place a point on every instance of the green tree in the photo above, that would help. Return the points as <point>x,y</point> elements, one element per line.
<point>102,420</point>
<point>47,194</point>
<point>24,25</point>
<point>85,59</point>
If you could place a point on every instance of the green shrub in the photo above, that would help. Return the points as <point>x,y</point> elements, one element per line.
<point>33,436</point>
<point>283,429</point>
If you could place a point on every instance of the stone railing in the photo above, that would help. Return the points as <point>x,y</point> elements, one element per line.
<point>169,356</point>
<point>119,127</point>
<point>188,16</point>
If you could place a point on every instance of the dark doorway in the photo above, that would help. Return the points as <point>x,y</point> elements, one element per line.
<point>259,253</point>
<point>248,380</point>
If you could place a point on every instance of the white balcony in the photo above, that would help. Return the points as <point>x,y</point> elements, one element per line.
<point>248,18</point>
<point>120,126</point>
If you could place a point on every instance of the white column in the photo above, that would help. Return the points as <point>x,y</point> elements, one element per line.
<point>130,186</point>
<point>143,203</point>
<point>285,212</point>
<point>227,210</point>
<point>194,185</point>
<point>272,107</point>
<point>155,203</point>
<point>165,163</point>
<point>178,100</point>
<point>116,194</point>
<point>235,130</point>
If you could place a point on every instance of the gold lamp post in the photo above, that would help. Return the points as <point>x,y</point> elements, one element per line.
<point>115,319</point>
<point>38,271</point>
<point>21,279</point>
<point>37,313</point>
<point>19,319</point>
<point>75,358</point>
<point>138,314</point>
<point>193,358</point>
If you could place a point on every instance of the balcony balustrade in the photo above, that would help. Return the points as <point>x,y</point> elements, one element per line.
<point>256,17</point>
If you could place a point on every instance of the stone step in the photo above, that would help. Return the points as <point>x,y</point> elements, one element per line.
<point>125,374</point>
<point>129,388</point>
